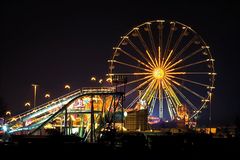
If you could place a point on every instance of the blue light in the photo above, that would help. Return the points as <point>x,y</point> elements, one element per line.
<point>5,128</point>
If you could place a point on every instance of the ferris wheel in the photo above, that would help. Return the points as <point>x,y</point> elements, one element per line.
<point>169,68</point>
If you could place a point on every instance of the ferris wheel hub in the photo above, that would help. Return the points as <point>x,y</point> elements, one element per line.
<point>158,73</point>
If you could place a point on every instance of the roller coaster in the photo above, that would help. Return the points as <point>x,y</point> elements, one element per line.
<point>84,112</point>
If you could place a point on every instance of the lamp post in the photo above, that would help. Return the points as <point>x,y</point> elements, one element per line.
<point>96,81</point>
<point>27,104</point>
<point>109,80</point>
<point>93,79</point>
<point>100,81</point>
<point>67,87</point>
<point>47,95</point>
<point>35,94</point>
<point>8,113</point>
<point>210,111</point>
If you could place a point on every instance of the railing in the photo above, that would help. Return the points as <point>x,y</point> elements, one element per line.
<point>98,89</point>
<point>42,106</point>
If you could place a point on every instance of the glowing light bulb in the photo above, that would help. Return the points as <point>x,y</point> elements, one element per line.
<point>158,73</point>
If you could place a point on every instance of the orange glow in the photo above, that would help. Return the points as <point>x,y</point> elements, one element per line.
<point>47,95</point>
<point>109,80</point>
<point>93,79</point>
<point>67,86</point>
<point>158,73</point>
<point>8,113</point>
<point>27,104</point>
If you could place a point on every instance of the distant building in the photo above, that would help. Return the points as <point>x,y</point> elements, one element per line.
<point>136,120</point>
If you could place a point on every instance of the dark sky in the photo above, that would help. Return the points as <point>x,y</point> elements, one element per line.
<point>55,42</point>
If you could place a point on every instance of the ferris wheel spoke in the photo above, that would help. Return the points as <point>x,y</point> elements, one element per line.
<point>179,38</point>
<point>134,81</point>
<point>151,107</point>
<point>190,73</point>
<point>192,54</point>
<point>172,82</point>
<point>182,60</point>
<point>190,81</point>
<point>169,55</point>
<point>191,64</point>
<point>129,74</point>
<point>172,28</point>
<point>145,47</point>
<point>156,62</point>
<point>170,105</point>
<point>188,89</point>
<point>169,108</point>
<point>155,65</point>
<point>130,65</point>
<point>172,93</point>
<point>174,64</point>
<point>160,37</point>
<point>140,52</point>
<point>160,99</point>
<point>152,95</point>
<point>153,91</point>
<point>153,103</point>
<point>134,58</point>
<point>139,86</point>
<point>152,40</point>
<point>133,102</point>
<point>184,97</point>
<point>149,95</point>
<point>159,56</point>
<point>149,88</point>
<point>169,92</point>
<point>142,40</point>
<point>184,49</point>
<point>175,46</point>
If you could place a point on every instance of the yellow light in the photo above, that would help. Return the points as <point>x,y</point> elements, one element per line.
<point>47,95</point>
<point>27,104</point>
<point>67,86</point>
<point>93,79</point>
<point>125,114</point>
<point>109,80</point>
<point>8,113</point>
<point>158,73</point>
<point>72,118</point>
<point>13,119</point>
<point>48,126</point>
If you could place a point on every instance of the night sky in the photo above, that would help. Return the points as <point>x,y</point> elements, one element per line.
<point>52,43</point>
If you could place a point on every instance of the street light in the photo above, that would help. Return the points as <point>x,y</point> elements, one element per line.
<point>100,81</point>
<point>109,80</point>
<point>8,113</point>
<point>27,104</point>
<point>35,94</point>
<point>125,114</point>
<point>67,87</point>
<point>47,95</point>
<point>93,79</point>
